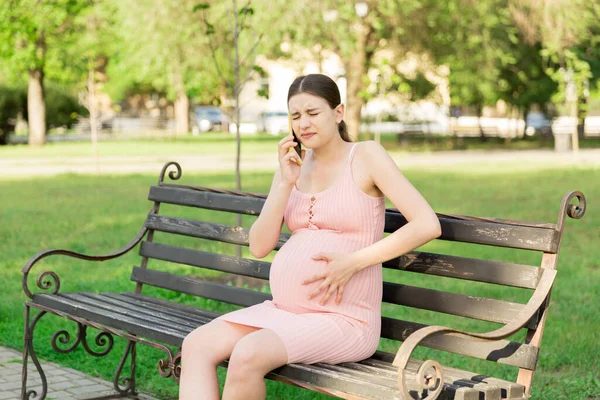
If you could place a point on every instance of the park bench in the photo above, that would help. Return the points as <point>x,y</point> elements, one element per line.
<point>142,319</point>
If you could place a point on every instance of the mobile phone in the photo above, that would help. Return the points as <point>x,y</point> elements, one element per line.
<point>298,145</point>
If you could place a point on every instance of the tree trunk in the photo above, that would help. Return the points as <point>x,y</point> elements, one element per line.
<point>479,114</point>
<point>93,115</point>
<point>182,114</point>
<point>356,68</point>
<point>36,108</point>
<point>581,115</point>
<point>237,91</point>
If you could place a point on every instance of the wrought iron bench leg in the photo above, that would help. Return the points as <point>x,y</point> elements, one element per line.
<point>126,386</point>
<point>29,351</point>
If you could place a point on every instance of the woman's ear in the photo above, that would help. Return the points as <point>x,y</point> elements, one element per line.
<point>339,112</point>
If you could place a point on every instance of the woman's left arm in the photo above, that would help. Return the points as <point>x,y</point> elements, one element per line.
<point>423,225</point>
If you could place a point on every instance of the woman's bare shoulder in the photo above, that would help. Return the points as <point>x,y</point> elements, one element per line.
<point>370,152</point>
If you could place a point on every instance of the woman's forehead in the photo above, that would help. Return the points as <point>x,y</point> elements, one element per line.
<point>305,101</point>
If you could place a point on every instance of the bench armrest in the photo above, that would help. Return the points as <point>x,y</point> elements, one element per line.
<point>48,280</point>
<point>436,382</point>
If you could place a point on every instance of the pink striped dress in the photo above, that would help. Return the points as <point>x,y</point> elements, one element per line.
<point>340,219</point>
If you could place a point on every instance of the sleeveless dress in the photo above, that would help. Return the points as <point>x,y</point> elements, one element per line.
<point>340,219</point>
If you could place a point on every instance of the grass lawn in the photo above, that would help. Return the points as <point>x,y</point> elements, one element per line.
<point>217,142</point>
<point>97,215</point>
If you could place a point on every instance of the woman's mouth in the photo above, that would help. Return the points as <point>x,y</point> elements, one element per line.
<point>308,135</point>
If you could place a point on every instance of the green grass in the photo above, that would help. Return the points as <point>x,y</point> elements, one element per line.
<point>224,143</point>
<point>97,215</point>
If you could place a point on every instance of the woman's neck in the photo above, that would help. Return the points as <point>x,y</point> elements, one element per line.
<point>332,151</point>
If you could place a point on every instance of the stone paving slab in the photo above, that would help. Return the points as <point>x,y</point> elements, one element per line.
<point>63,383</point>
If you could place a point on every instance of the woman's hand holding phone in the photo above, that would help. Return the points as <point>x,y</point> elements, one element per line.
<point>288,160</point>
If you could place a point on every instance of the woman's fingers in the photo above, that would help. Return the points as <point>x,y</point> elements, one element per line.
<point>338,298</point>
<point>314,278</point>
<point>330,291</point>
<point>285,144</point>
<point>324,285</point>
<point>291,157</point>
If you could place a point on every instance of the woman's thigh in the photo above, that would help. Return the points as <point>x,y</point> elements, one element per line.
<point>215,339</point>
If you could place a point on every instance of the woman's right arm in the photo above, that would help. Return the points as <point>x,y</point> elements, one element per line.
<point>264,233</point>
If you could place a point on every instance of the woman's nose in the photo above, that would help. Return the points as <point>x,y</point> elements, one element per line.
<point>304,121</point>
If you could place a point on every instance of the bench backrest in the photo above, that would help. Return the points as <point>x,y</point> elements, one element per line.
<point>486,275</point>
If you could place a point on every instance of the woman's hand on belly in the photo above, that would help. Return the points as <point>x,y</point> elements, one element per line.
<point>339,270</point>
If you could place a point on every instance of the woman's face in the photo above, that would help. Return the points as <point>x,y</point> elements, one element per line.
<point>313,121</point>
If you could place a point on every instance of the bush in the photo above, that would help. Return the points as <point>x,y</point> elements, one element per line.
<point>62,107</point>
<point>12,101</point>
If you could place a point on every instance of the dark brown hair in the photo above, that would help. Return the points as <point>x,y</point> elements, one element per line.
<point>321,86</point>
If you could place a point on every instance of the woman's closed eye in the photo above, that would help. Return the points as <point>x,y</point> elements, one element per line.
<point>297,117</point>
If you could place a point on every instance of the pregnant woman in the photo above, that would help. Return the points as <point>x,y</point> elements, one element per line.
<point>326,280</point>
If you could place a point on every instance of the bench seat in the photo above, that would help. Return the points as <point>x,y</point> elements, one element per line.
<point>169,322</point>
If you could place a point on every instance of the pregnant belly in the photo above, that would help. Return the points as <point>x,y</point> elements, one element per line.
<point>293,264</point>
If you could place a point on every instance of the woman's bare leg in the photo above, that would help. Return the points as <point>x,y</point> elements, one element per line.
<point>255,355</point>
<point>203,349</point>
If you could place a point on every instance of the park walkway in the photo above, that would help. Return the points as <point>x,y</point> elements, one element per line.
<point>63,383</point>
<point>484,160</point>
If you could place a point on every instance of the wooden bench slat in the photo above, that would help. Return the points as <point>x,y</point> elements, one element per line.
<point>502,351</point>
<point>315,376</point>
<point>135,325</point>
<point>511,390</point>
<point>450,378</point>
<point>479,308</point>
<point>488,233</point>
<point>209,290</point>
<point>198,258</point>
<point>185,313</point>
<point>155,314</point>
<point>512,235</point>
<point>207,200</point>
<point>172,305</point>
<point>510,274</point>
<point>204,230</point>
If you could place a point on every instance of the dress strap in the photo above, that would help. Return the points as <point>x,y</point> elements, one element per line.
<point>351,156</point>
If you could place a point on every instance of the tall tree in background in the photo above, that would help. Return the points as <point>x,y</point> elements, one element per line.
<point>33,37</point>
<point>562,28</point>
<point>162,47</point>
<point>235,31</point>
<point>473,39</point>
<point>354,31</point>
<point>525,83</point>
<point>235,34</point>
<point>93,50</point>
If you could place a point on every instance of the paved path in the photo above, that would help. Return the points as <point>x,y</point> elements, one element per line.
<point>63,383</point>
<point>482,161</point>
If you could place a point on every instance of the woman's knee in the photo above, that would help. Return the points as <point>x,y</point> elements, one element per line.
<point>214,340</point>
<point>208,341</point>
<point>254,354</point>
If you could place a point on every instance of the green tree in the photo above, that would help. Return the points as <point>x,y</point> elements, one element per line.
<point>525,83</point>
<point>562,28</point>
<point>233,39</point>
<point>354,31</point>
<point>160,46</point>
<point>473,39</point>
<point>33,40</point>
